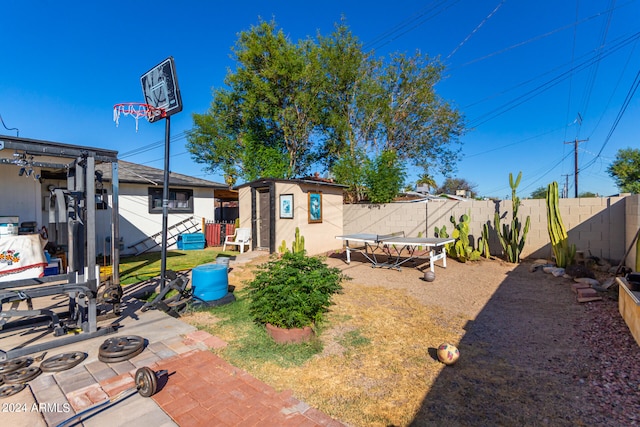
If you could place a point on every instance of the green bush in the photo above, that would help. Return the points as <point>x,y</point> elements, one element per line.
<point>293,291</point>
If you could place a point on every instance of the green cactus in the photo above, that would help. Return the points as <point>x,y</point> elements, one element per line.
<point>510,240</point>
<point>298,243</point>
<point>461,249</point>
<point>442,234</point>
<point>283,247</point>
<point>563,251</point>
<point>483,242</point>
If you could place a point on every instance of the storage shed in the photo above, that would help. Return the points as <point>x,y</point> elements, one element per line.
<point>273,208</point>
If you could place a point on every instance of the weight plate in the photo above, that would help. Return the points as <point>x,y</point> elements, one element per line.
<point>121,346</point>
<point>63,361</point>
<point>120,358</point>
<point>1,380</point>
<point>146,382</point>
<point>10,390</point>
<point>15,364</point>
<point>22,376</point>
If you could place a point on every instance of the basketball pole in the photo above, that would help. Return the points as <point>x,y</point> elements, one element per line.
<point>165,204</point>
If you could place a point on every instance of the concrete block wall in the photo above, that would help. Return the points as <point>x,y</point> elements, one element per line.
<point>595,225</point>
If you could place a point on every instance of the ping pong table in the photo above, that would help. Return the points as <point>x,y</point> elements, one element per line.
<point>393,246</point>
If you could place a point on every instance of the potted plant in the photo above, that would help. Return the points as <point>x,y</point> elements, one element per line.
<point>289,295</point>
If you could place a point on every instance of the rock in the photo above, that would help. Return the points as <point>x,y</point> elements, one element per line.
<point>548,269</point>
<point>558,272</point>
<point>609,282</point>
<point>587,281</point>
<point>579,270</point>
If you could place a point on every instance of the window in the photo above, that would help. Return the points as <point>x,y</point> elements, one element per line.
<point>180,201</point>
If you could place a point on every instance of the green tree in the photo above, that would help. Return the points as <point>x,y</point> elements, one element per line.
<point>451,185</point>
<point>427,180</point>
<point>261,125</point>
<point>539,193</point>
<point>288,106</point>
<point>350,170</point>
<point>384,177</point>
<point>625,170</point>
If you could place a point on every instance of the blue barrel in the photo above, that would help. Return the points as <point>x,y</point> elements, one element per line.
<point>210,281</point>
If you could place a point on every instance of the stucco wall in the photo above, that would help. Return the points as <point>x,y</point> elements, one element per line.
<point>318,237</point>
<point>595,225</point>
<point>632,216</point>
<point>21,195</point>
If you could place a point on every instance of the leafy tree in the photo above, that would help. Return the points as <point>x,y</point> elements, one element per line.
<point>450,185</point>
<point>539,193</point>
<point>384,177</point>
<point>289,106</point>
<point>427,180</point>
<point>625,170</point>
<point>261,125</point>
<point>350,170</point>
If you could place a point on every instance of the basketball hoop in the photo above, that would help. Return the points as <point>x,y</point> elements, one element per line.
<point>137,110</point>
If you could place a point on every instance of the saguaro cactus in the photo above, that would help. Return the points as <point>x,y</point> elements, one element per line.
<point>562,250</point>
<point>483,242</point>
<point>510,239</point>
<point>298,243</point>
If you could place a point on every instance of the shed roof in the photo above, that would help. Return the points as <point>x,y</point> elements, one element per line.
<point>306,181</point>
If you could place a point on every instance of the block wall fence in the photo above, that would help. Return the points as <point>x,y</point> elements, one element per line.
<point>599,226</point>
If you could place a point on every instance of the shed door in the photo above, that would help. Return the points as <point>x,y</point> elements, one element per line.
<point>263,218</point>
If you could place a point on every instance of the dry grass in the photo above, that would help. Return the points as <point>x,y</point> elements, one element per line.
<point>373,371</point>
<point>382,382</point>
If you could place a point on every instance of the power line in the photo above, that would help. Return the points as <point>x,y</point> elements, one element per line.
<point>630,93</point>
<point>549,84</point>
<point>475,29</point>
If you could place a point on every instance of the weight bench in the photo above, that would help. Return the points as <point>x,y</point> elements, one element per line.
<point>82,309</point>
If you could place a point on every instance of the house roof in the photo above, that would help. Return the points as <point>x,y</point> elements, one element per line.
<point>134,173</point>
<point>308,181</point>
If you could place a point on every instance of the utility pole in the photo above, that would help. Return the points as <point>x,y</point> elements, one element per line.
<point>575,161</point>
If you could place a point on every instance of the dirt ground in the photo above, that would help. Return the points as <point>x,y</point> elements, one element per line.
<point>530,353</point>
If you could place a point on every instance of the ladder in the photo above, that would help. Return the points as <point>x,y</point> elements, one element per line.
<point>185,226</point>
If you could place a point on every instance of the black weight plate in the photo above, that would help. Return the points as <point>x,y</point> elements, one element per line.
<point>121,346</point>
<point>62,362</point>
<point>10,390</point>
<point>117,359</point>
<point>146,382</point>
<point>22,376</point>
<point>15,364</point>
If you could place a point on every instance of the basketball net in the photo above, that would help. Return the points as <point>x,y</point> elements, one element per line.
<point>136,110</point>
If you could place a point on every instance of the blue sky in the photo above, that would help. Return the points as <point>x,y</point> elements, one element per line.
<point>528,75</point>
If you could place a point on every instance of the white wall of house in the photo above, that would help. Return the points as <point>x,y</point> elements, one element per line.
<point>20,196</point>
<point>136,223</point>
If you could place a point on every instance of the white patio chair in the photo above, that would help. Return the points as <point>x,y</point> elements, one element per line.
<point>241,237</point>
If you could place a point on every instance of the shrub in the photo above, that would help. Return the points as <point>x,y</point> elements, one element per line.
<point>293,291</point>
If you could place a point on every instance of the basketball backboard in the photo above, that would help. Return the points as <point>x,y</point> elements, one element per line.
<point>160,88</point>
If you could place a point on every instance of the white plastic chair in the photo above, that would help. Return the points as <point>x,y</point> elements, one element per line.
<point>241,237</point>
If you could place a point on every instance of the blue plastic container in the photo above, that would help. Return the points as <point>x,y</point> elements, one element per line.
<point>210,282</point>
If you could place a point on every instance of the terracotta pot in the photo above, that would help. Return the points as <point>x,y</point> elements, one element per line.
<point>287,336</point>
